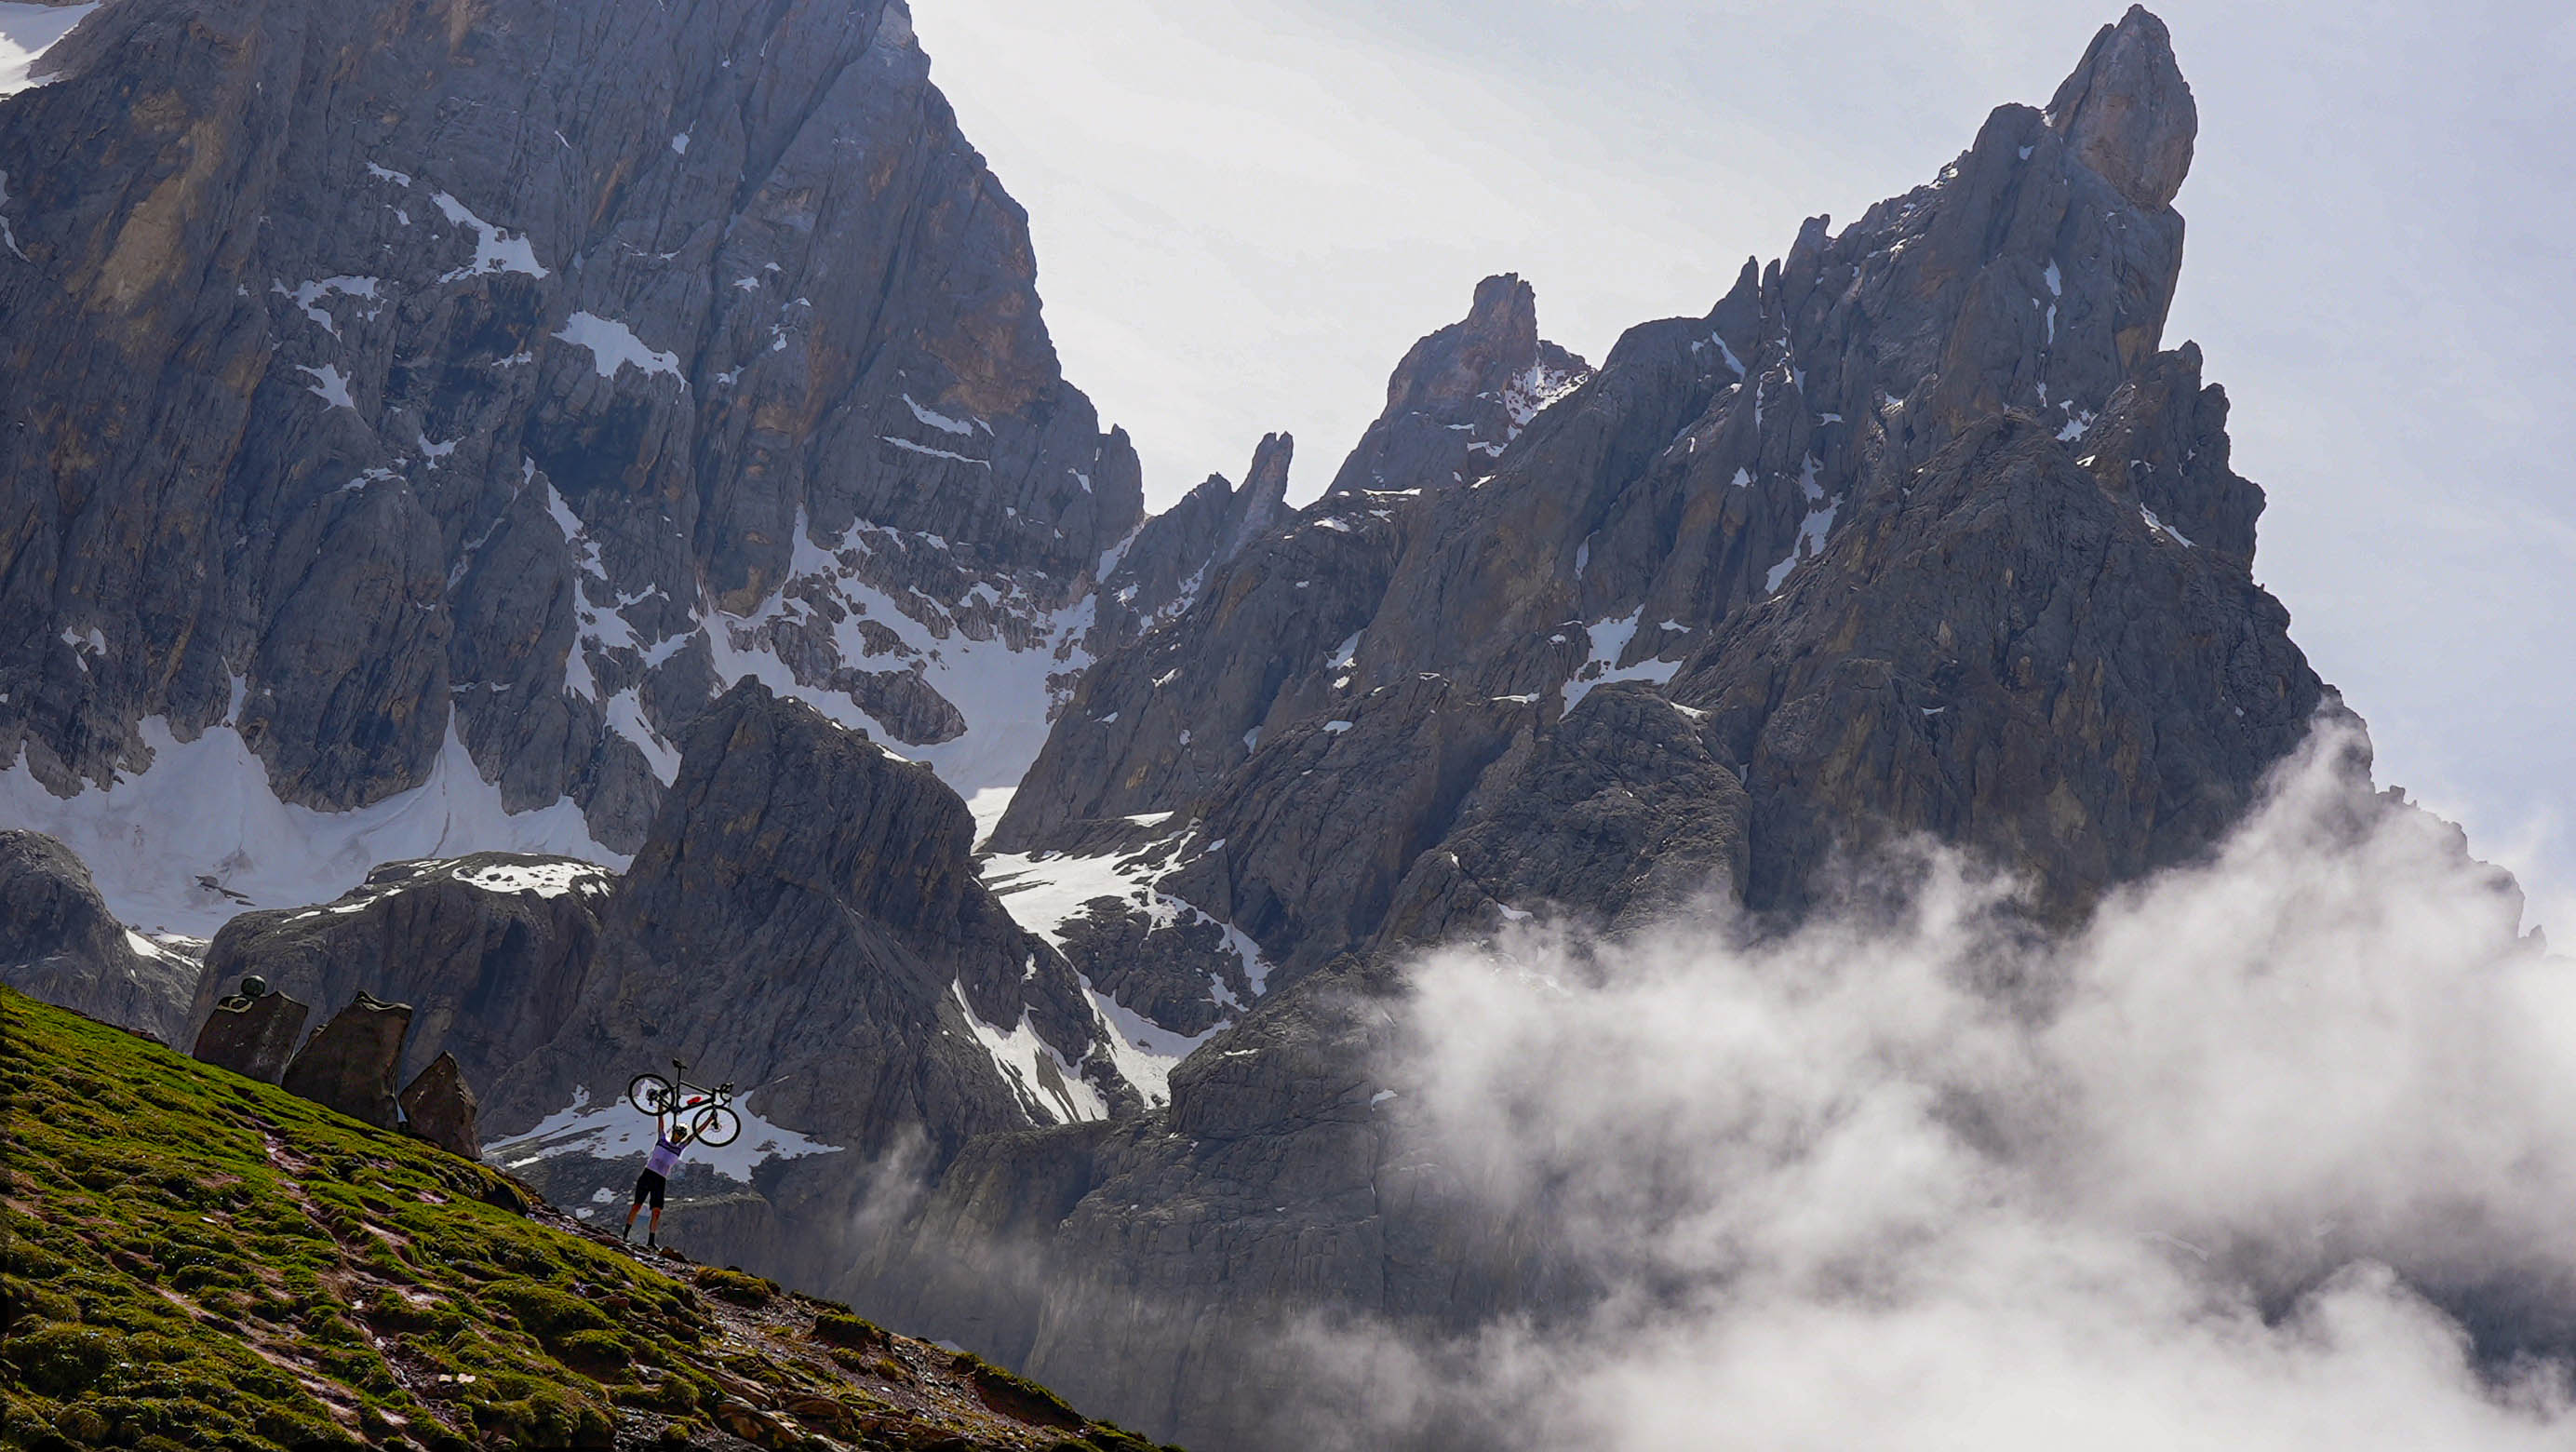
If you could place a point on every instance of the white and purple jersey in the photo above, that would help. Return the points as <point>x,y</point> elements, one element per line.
<point>664,1159</point>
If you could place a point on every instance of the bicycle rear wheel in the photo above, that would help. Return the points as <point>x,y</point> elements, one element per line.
<point>650,1094</point>
<point>716,1126</point>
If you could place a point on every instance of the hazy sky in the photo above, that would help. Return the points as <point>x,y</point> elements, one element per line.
<point>1245,212</point>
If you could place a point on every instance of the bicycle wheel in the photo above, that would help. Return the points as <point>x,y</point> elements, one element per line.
<point>650,1093</point>
<point>716,1126</point>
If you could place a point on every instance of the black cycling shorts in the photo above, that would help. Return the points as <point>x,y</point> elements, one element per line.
<point>650,1186</point>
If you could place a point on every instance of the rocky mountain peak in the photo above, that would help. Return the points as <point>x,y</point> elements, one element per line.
<point>1156,572</point>
<point>2127,112</point>
<point>553,365</point>
<point>1461,394</point>
<point>1446,615</point>
<point>1500,331</point>
<point>1265,487</point>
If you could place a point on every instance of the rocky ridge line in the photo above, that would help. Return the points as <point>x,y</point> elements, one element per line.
<point>1920,530</point>
<point>434,414</point>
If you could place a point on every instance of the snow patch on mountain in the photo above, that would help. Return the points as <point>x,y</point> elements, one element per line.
<point>545,879</point>
<point>1045,891</point>
<point>495,249</point>
<point>26,33</point>
<point>329,385</point>
<point>310,296</point>
<point>199,835</point>
<point>994,653</point>
<point>1047,1086</point>
<point>615,1130</point>
<point>1609,642</point>
<point>613,345</point>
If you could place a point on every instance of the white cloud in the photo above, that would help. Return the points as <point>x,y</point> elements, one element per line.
<point>1915,1179</point>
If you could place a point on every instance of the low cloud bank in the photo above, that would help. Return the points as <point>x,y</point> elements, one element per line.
<point>2240,1165</point>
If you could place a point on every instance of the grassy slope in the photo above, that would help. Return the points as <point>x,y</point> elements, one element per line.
<point>196,1260</point>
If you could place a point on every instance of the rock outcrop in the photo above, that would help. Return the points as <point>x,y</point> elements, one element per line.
<point>805,921</point>
<point>489,950</point>
<point>349,1064</point>
<point>438,1105</point>
<point>253,1032</point>
<point>1462,394</point>
<point>1161,570</point>
<point>2127,113</point>
<point>1277,610</point>
<point>59,942</point>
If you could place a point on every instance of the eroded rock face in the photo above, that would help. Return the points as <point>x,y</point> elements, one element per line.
<point>2127,111</point>
<point>1461,394</point>
<point>350,1063</point>
<point>438,1105</point>
<point>805,921</point>
<point>1165,566</point>
<point>253,1034</point>
<point>1681,496</point>
<point>59,942</point>
<point>1624,815</point>
<point>2014,654</point>
<point>490,950</point>
<point>525,373</point>
<point>1276,608</point>
<point>1919,530</point>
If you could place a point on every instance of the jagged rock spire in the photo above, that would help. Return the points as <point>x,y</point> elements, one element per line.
<point>2126,111</point>
<point>1265,488</point>
<point>1461,394</point>
<point>1501,327</point>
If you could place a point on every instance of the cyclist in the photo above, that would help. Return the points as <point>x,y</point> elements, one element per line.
<point>670,1141</point>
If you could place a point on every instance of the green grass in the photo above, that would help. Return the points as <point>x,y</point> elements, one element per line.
<point>214,1262</point>
<point>195,1260</point>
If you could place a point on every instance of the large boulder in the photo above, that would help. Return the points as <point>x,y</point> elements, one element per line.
<point>59,942</point>
<point>438,1106</point>
<point>349,1064</point>
<point>253,1032</point>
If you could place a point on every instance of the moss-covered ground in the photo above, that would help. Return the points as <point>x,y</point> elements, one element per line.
<point>192,1259</point>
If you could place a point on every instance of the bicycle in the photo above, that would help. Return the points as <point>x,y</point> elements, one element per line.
<point>710,1119</point>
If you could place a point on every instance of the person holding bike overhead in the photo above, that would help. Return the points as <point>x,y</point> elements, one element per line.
<point>670,1141</point>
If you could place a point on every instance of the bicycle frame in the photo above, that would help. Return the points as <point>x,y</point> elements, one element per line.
<point>694,1096</point>
<point>702,1108</point>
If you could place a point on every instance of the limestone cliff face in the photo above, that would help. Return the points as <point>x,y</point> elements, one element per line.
<point>530,374</point>
<point>526,372</point>
<point>59,942</point>
<point>1919,530</point>
<point>1859,411</point>
<point>805,921</point>
<point>489,951</point>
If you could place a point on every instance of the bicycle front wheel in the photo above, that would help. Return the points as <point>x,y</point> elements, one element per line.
<point>650,1093</point>
<point>717,1126</point>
